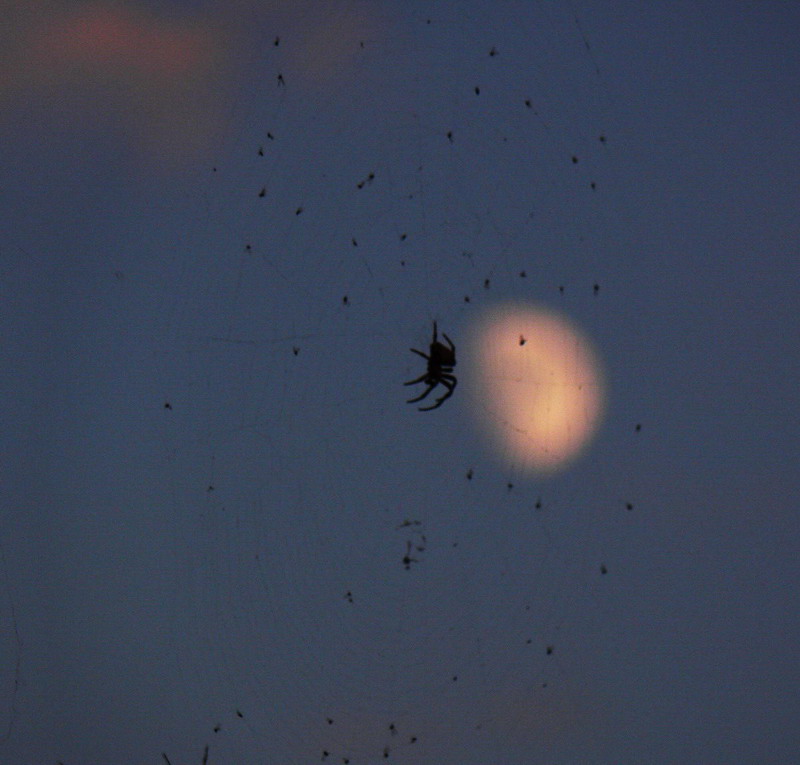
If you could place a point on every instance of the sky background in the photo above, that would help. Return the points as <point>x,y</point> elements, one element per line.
<point>210,475</point>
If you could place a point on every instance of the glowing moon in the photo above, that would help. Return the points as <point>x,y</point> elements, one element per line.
<point>538,386</point>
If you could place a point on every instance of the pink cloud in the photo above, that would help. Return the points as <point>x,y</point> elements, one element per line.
<point>158,80</point>
<point>123,39</point>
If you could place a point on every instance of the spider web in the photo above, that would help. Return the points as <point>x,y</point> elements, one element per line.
<point>225,536</point>
<point>346,579</point>
<point>371,582</point>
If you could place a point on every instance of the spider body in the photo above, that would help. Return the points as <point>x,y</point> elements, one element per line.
<point>441,360</point>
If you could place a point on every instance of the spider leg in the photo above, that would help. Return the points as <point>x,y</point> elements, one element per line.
<point>434,331</point>
<point>450,384</point>
<point>439,401</point>
<point>424,393</point>
<point>418,380</point>
<point>452,345</point>
<point>419,353</point>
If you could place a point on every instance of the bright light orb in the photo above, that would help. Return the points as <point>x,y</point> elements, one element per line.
<point>538,386</point>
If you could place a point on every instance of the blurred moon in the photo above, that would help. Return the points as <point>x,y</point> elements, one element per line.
<point>538,386</point>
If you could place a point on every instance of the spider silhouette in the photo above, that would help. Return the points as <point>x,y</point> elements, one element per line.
<point>441,361</point>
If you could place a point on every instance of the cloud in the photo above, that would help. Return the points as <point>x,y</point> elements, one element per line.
<point>155,79</point>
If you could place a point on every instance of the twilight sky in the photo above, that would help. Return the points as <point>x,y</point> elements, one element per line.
<point>223,225</point>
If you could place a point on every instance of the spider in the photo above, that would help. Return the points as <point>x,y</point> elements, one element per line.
<point>441,361</point>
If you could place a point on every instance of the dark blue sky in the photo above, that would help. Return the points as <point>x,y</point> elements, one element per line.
<point>211,478</point>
